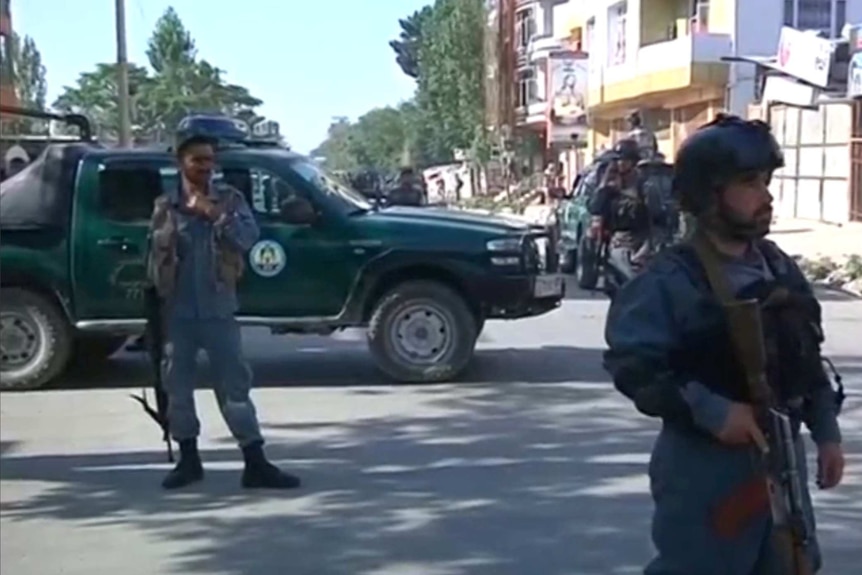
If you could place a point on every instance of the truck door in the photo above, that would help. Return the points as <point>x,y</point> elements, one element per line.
<point>292,271</point>
<point>111,221</point>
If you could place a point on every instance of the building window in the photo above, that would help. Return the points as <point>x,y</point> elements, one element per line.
<point>528,88</point>
<point>840,17</point>
<point>590,37</point>
<point>815,15</point>
<point>699,17</point>
<point>617,28</point>
<point>524,28</point>
<point>789,20</point>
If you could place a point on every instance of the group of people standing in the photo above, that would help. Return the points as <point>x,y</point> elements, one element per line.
<point>667,334</point>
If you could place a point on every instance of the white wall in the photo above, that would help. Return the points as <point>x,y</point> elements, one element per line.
<point>758,26</point>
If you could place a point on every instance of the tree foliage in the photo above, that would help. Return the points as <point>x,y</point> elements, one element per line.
<point>442,46</point>
<point>377,140</point>
<point>406,47</point>
<point>27,73</point>
<point>450,91</point>
<point>180,84</point>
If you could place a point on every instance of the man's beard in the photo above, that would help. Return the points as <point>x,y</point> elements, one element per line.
<point>730,224</point>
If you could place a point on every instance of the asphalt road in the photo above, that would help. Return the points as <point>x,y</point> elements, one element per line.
<point>531,465</point>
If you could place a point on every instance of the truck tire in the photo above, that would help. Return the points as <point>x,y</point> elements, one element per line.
<point>96,348</point>
<point>35,340</point>
<point>422,332</point>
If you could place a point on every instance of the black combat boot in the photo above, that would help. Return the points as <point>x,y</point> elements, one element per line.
<point>188,470</point>
<point>261,474</point>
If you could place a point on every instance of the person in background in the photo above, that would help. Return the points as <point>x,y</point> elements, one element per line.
<point>646,140</point>
<point>620,210</point>
<point>408,192</point>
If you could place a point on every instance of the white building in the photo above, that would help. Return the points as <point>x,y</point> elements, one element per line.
<point>665,57</point>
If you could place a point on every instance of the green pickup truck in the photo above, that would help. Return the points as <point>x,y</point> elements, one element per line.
<point>423,281</point>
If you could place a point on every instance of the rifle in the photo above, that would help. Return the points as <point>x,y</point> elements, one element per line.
<point>778,484</point>
<point>155,347</point>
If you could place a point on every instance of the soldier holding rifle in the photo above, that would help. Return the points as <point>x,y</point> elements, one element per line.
<point>720,338</point>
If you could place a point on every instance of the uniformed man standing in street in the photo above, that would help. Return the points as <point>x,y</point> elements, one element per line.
<point>619,207</point>
<point>199,235</point>
<point>671,354</point>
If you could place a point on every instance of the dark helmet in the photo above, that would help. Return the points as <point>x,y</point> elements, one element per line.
<point>628,149</point>
<point>717,153</point>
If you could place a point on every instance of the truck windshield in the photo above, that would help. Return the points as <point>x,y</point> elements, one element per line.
<point>310,172</point>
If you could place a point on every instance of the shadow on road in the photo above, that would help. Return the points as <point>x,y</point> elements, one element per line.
<point>346,363</point>
<point>523,479</point>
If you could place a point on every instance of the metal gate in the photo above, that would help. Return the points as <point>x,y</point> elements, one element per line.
<point>856,164</point>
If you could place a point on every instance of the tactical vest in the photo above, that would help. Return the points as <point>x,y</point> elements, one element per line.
<point>792,336</point>
<point>163,257</point>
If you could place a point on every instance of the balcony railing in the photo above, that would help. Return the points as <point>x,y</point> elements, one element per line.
<point>652,58</point>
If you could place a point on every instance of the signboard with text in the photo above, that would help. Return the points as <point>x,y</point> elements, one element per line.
<point>804,56</point>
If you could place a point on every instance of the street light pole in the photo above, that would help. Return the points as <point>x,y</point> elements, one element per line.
<point>123,75</point>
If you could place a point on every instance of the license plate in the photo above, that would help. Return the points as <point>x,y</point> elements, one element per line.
<point>548,286</point>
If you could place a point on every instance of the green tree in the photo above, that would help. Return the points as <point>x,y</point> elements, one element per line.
<point>377,140</point>
<point>27,73</point>
<point>180,84</point>
<point>95,95</point>
<point>450,91</point>
<point>406,47</point>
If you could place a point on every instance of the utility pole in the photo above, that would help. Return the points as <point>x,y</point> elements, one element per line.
<point>123,76</point>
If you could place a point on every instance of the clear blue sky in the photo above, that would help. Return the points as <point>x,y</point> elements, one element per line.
<point>307,60</point>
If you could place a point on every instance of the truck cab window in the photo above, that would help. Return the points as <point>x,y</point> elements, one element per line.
<point>264,191</point>
<point>127,192</point>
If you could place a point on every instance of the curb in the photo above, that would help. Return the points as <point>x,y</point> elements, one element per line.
<point>839,289</point>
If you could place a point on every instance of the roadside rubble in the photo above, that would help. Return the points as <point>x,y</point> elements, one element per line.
<point>844,274</point>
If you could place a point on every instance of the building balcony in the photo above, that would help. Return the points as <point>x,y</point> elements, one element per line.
<point>533,114</point>
<point>653,71</point>
<point>541,46</point>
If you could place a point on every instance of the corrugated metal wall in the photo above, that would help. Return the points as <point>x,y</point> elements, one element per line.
<point>816,181</point>
<point>856,164</point>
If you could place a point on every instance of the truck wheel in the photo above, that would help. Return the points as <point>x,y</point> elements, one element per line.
<point>568,262</point>
<point>96,348</point>
<point>35,340</point>
<point>422,332</point>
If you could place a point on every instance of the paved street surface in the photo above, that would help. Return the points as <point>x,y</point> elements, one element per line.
<point>530,466</point>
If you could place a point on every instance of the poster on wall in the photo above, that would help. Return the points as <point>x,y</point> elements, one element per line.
<point>854,69</point>
<point>567,87</point>
<point>854,76</point>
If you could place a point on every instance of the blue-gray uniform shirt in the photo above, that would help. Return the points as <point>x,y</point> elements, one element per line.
<point>198,293</point>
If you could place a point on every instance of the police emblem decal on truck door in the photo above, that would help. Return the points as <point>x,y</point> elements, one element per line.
<point>267,258</point>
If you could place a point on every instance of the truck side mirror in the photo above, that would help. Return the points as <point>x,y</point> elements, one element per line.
<point>298,211</point>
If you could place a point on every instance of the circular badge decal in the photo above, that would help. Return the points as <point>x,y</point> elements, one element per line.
<point>267,258</point>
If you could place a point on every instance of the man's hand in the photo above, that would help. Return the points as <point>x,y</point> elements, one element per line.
<point>740,428</point>
<point>830,465</point>
<point>201,205</point>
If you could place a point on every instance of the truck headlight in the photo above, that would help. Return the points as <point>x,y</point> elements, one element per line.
<point>504,245</point>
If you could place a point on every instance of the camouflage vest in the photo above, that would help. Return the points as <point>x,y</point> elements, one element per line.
<point>163,258</point>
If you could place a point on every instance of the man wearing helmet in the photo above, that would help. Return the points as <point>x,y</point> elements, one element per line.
<point>670,353</point>
<point>619,208</point>
<point>646,140</point>
<point>199,235</point>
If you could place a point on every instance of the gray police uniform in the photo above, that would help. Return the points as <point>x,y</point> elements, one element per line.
<point>195,264</point>
<point>663,312</point>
